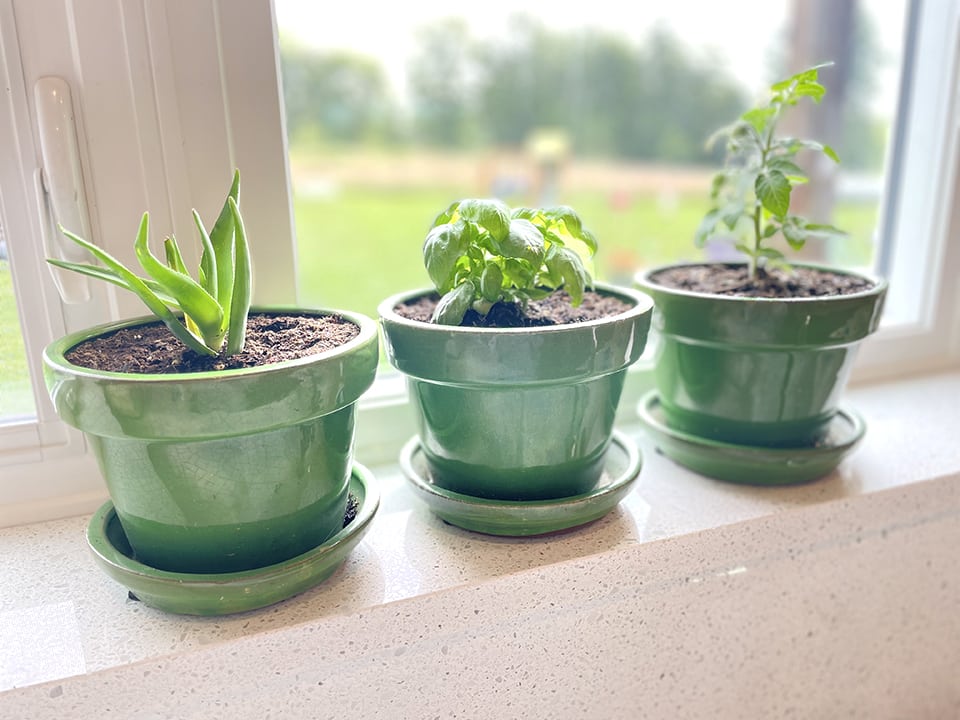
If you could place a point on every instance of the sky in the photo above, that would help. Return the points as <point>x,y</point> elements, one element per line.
<point>386,30</point>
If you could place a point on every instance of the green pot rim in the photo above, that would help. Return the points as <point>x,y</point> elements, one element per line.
<point>644,279</point>
<point>641,300</point>
<point>732,321</point>
<point>505,356</point>
<point>200,405</point>
<point>54,354</point>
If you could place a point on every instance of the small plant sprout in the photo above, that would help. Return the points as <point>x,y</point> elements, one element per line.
<point>751,195</point>
<point>214,308</point>
<point>479,252</point>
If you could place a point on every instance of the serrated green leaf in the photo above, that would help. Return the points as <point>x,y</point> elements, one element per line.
<point>717,184</point>
<point>787,167</point>
<point>769,231</point>
<point>794,232</point>
<point>812,90</point>
<point>773,190</point>
<point>824,231</point>
<point>454,304</point>
<point>759,118</point>
<point>706,228</point>
<point>731,215</point>
<point>770,254</point>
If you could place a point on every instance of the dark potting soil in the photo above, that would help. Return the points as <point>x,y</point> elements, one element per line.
<point>271,338</point>
<point>554,309</point>
<point>733,280</point>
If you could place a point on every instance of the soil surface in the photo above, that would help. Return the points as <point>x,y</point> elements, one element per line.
<point>152,349</point>
<point>552,310</point>
<point>733,280</point>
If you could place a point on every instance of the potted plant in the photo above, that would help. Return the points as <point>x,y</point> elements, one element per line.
<point>752,358</point>
<point>515,368</point>
<point>224,434</point>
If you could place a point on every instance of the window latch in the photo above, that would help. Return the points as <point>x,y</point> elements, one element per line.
<point>59,185</point>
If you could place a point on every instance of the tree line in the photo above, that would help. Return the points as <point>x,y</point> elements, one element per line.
<point>654,101</point>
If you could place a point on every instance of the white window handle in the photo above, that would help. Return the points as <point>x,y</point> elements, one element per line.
<point>59,185</point>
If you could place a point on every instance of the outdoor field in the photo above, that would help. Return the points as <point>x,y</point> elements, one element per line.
<point>361,219</point>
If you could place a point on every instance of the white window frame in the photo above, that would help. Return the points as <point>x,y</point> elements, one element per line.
<point>921,328</point>
<point>138,73</point>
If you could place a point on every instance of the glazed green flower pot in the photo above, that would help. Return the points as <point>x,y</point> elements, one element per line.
<point>756,371</point>
<point>221,471</point>
<point>520,413</point>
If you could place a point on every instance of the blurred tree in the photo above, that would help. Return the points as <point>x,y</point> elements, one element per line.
<point>439,84</point>
<point>654,102</point>
<point>342,95</point>
<point>523,82</point>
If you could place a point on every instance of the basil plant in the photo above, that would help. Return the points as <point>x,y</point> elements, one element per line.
<point>480,252</point>
<point>204,314</point>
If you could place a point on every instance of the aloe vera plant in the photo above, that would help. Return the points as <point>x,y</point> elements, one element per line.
<point>480,252</point>
<point>214,307</point>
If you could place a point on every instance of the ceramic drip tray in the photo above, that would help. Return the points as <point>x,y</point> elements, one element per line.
<point>225,593</point>
<point>514,518</point>
<point>754,465</point>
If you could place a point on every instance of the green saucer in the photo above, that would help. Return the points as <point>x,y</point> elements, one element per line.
<point>225,593</point>
<point>754,465</point>
<point>516,518</point>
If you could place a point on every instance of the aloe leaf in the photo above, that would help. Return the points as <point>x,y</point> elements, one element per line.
<point>101,273</point>
<point>221,237</point>
<point>242,285</point>
<point>174,258</point>
<point>196,302</point>
<point>139,287</point>
<point>208,260</point>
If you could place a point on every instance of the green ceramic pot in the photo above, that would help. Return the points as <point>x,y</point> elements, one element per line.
<point>221,471</point>
<point>756,371</point>
<point>516,414</point>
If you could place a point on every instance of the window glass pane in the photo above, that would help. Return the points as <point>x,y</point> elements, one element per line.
<point>16,395</point>
<point>604,106</point>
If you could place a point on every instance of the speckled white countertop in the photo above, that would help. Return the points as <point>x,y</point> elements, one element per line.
<point>693,598</point>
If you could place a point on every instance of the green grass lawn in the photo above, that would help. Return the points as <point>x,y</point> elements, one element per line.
<point>16,397</point>
<point>361,245</point>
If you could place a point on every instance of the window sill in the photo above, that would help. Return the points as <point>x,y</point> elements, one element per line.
<point>653,578</point>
